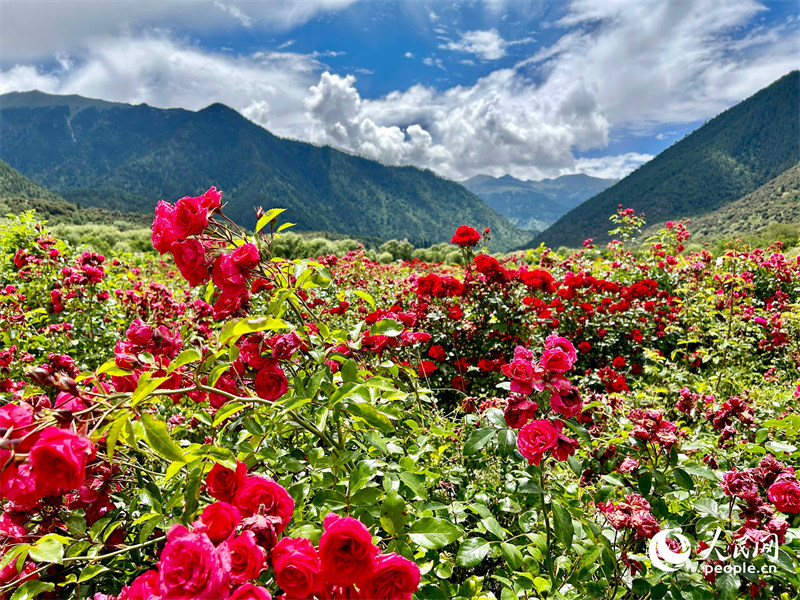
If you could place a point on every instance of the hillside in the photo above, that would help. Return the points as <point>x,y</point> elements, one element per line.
<point>773,206</point>
<point>728,157</point>
<point>125,157</point>
<point>19,194</point>
<point>534,205</point>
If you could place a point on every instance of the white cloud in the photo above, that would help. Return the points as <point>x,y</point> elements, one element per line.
<point>487,45</point>
<point>609,167</point>
<point>429,61</point>
<point>236,12</point>
<point>409,55</point>
<point>37,28</point>
<point>266,87</point>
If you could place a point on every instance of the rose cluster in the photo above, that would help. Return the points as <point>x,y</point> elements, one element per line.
<point>225,552</point>
<point>176,230</point>
<point>633,513</point>
<point>539,436</point>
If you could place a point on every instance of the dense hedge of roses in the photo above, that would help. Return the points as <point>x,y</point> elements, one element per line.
<point>335,428</point>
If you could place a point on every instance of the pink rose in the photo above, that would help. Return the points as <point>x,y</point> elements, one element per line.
<point>245,256</point>
<point>248,591</point>
<point>283,346</point>
<point>19,419</point>
<point>393,578</point>
<point>263,495</point>
<point>297,567</point>
<point>561,343</point>
<point>58,459</point>
<point>163,234</point>
<point>228,276</point>
<point>271,383</point>
<point>18,484</point>
<point>556,360</point>
<point>191,567</point>
<point>190,217</point>
<point>524,375</point>
<point>785,495</point>
<point>567,402</point>
<point>346,551</point>
<point>190,257</point>
<point>222,483</point>
<point>247,557</point>
<point>144,587</point>
<point>221,520</point>
<point>536,438</point>
<point>211,200</point>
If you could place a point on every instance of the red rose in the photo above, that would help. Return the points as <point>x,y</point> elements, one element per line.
<point>536,438</point>
<point>190,257</point>
<point>222,483</point>
<point>190,217</point>
<point>191,567</point>
<point>163,234</point>
<point>619,362</point>
<point>785,495</point>
<point>585,347</point>
<point>19,419</point>
<point>263,495</point>
<point>297,567</point>
<point>248,591</point>
<point>221,520</point>
<point>271,383</point>
<point>557,342</point>
<point>437,353</point>
<point>426,368</point>
<point>742,485</point>
<point>59,460</point>
<point>519,410</point>
<point>346,551</point>
<point>565,446</point>
<point>393,578</point>
<point>247,557</point>
<point>18,484</point>
<point>226,305</point>
<point>524,375</point>
<point>245,256</point>
<point>466,236</point>
<point>489,267</point>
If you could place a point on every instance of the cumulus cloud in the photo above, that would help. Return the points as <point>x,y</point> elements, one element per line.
<point>235,12</point>
<point>266,87</point>
<point>616,69</point>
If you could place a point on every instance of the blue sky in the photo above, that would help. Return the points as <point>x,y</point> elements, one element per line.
<point>531,88</point>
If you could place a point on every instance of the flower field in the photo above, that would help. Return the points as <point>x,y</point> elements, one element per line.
<point>221,422</point>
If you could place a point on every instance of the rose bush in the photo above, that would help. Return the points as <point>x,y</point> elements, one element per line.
<point>225,423</point>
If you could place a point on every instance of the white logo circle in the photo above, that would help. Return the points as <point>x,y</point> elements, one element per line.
<point>662,556</point>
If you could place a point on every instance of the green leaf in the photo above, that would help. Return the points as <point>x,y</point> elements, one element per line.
<point>472,552</point>
<point>512,554</point>
<point>365,297</point>
<point>159,440</point>
<point>562,522</point>
<point>683,479</point>
<point>727,584</point>
<point>433,533</point>
<point>226,411</point>
<point>184,358</point>
<point>47,550</point>
<point>349,371</point>
<point>267,217</point>
<point>367,412</point>
<point>359,476</point>
<point>388,327</point>
<point>507,442</point>
<point>31,589</point>
<point>412,481</point>
<point>144,386</point>
<point>478,439</point>
<point>91,571</point>
<point>113,434</point>
<point>393,513</point>
<point>645,483</point>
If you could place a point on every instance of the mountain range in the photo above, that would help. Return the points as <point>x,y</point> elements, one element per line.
<point>727,158</point>
<point>126,158</point>
<point>534,205</point>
